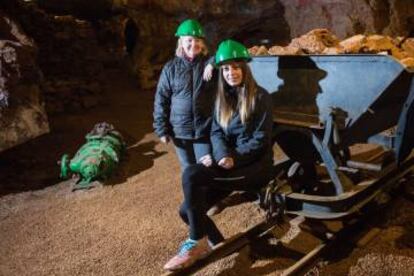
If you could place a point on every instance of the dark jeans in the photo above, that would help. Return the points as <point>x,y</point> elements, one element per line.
<point>203,187</point>
<point>189,152</point>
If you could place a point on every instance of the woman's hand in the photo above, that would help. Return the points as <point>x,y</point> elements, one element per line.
<point>165,139</point>
<point>208,72</point>
<point>226,163</point>
<point>206,160</point>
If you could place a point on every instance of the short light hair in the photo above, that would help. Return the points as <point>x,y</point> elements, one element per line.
<point>179,51</point>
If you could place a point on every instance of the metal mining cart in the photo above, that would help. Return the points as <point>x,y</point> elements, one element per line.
<point>324,105</point>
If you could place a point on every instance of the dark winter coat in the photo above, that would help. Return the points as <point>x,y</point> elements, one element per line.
<point>246,143</point>
<point>184,102</point>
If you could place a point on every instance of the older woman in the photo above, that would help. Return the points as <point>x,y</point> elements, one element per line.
<point>242,150</point>
<point>184,100</point>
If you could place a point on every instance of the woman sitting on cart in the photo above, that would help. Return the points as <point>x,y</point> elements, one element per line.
<point>242,151</point>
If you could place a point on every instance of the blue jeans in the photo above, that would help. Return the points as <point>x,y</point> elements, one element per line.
<point>189,152</point>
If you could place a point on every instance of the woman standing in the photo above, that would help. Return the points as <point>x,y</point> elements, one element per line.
<point>184,100</point>
<point>242,149</point>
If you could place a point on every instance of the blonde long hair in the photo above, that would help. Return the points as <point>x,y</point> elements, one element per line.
<point>179,51</point>
<point>246,98</point>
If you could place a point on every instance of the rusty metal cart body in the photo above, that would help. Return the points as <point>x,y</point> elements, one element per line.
<point>323,105</point>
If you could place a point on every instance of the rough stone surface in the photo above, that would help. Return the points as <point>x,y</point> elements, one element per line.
<point>322,41</point>
<point>408,62</point>
<point>378,43</point>
<point>15,47</point>
<point>152,24</point>
<point>259,23</point>
<point>316,41</point>
<point>408,46</point>
<point>288,50</point>
<point>353,44</point>
<point>247,21</point>
<point>333,51</point>
<point>346,18</point>
<point>22,114</point>
<point>72,54</point>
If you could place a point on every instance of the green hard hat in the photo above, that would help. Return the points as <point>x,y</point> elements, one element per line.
<point>190,27</point>
<point>231,50</point>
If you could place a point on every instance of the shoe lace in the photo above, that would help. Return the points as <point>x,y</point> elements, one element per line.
<point>187,246</point>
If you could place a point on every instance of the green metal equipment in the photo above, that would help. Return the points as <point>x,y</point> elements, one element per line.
<point>96,159</point>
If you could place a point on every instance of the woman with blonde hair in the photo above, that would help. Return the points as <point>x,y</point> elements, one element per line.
<point>184,98</point>
<point>242,151</point>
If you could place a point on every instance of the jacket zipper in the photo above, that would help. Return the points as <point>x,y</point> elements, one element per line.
<point>193,101</point>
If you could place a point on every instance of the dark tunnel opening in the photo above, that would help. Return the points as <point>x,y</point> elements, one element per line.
<point>131,34</point>
<point>268,31</point>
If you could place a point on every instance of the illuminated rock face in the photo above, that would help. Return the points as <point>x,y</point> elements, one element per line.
<point>323,42</point>
<point>247,21</point>
<point>22,113</point>
<point>231,17</point>
<point>253,22</point>
<point>258,23</point>
<point>349,17</point>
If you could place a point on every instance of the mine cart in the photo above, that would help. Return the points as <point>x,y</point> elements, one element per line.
<point>325,107</point>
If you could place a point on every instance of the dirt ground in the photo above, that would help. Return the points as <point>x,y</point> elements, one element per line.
<point>130,226</point>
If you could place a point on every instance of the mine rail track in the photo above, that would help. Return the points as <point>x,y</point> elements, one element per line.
<point>239,241</point>
<point>355,226</point>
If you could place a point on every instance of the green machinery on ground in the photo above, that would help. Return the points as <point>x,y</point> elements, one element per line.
<point>97,158</point>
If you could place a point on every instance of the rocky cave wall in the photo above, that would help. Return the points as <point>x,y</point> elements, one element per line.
<point>49,64</point>
<point>22,113</point>
<point>257,22</point>
<point>73,54</point>
<point>265,22</point>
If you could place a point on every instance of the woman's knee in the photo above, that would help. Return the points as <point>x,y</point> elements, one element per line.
<point>193,186</point>
<point>192,174</point>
